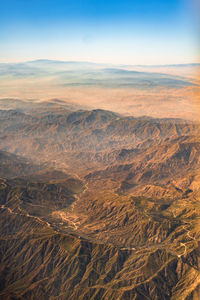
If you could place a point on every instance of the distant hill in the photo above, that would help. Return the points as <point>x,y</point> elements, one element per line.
<point>91,74</point>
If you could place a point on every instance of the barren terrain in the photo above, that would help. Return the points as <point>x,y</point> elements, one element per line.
<point>100,199</point>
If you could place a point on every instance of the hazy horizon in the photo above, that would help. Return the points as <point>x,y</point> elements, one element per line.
<point>134,32</point>
<point>100,63</point>
<point>156,91</point>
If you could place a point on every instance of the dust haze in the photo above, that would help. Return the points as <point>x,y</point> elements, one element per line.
<point>155,91</point>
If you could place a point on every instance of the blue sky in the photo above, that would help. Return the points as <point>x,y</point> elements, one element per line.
<point>119,32</point>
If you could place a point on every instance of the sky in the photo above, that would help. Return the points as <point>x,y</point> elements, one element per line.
<point>104,31</point>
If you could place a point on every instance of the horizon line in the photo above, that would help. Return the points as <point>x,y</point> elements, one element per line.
<point>99,63</point>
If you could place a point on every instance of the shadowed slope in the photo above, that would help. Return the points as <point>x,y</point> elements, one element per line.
<point>110,210</point>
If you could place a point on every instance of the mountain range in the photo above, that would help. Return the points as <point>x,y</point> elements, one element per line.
<point>97,205</point>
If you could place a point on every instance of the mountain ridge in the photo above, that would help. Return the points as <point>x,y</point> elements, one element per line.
<point>96,205</point>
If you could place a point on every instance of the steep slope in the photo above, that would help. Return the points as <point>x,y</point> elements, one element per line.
<point>86,136</point>
<point>13,166</point>
<point>108,210</point>
<point>37,262</point>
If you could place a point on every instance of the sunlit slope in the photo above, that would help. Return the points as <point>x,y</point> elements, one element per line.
<point>59,133</point>
<point>95,205</point>
<point>39,262</point>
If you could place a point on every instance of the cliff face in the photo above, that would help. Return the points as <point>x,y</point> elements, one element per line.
<point>97,206</point>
